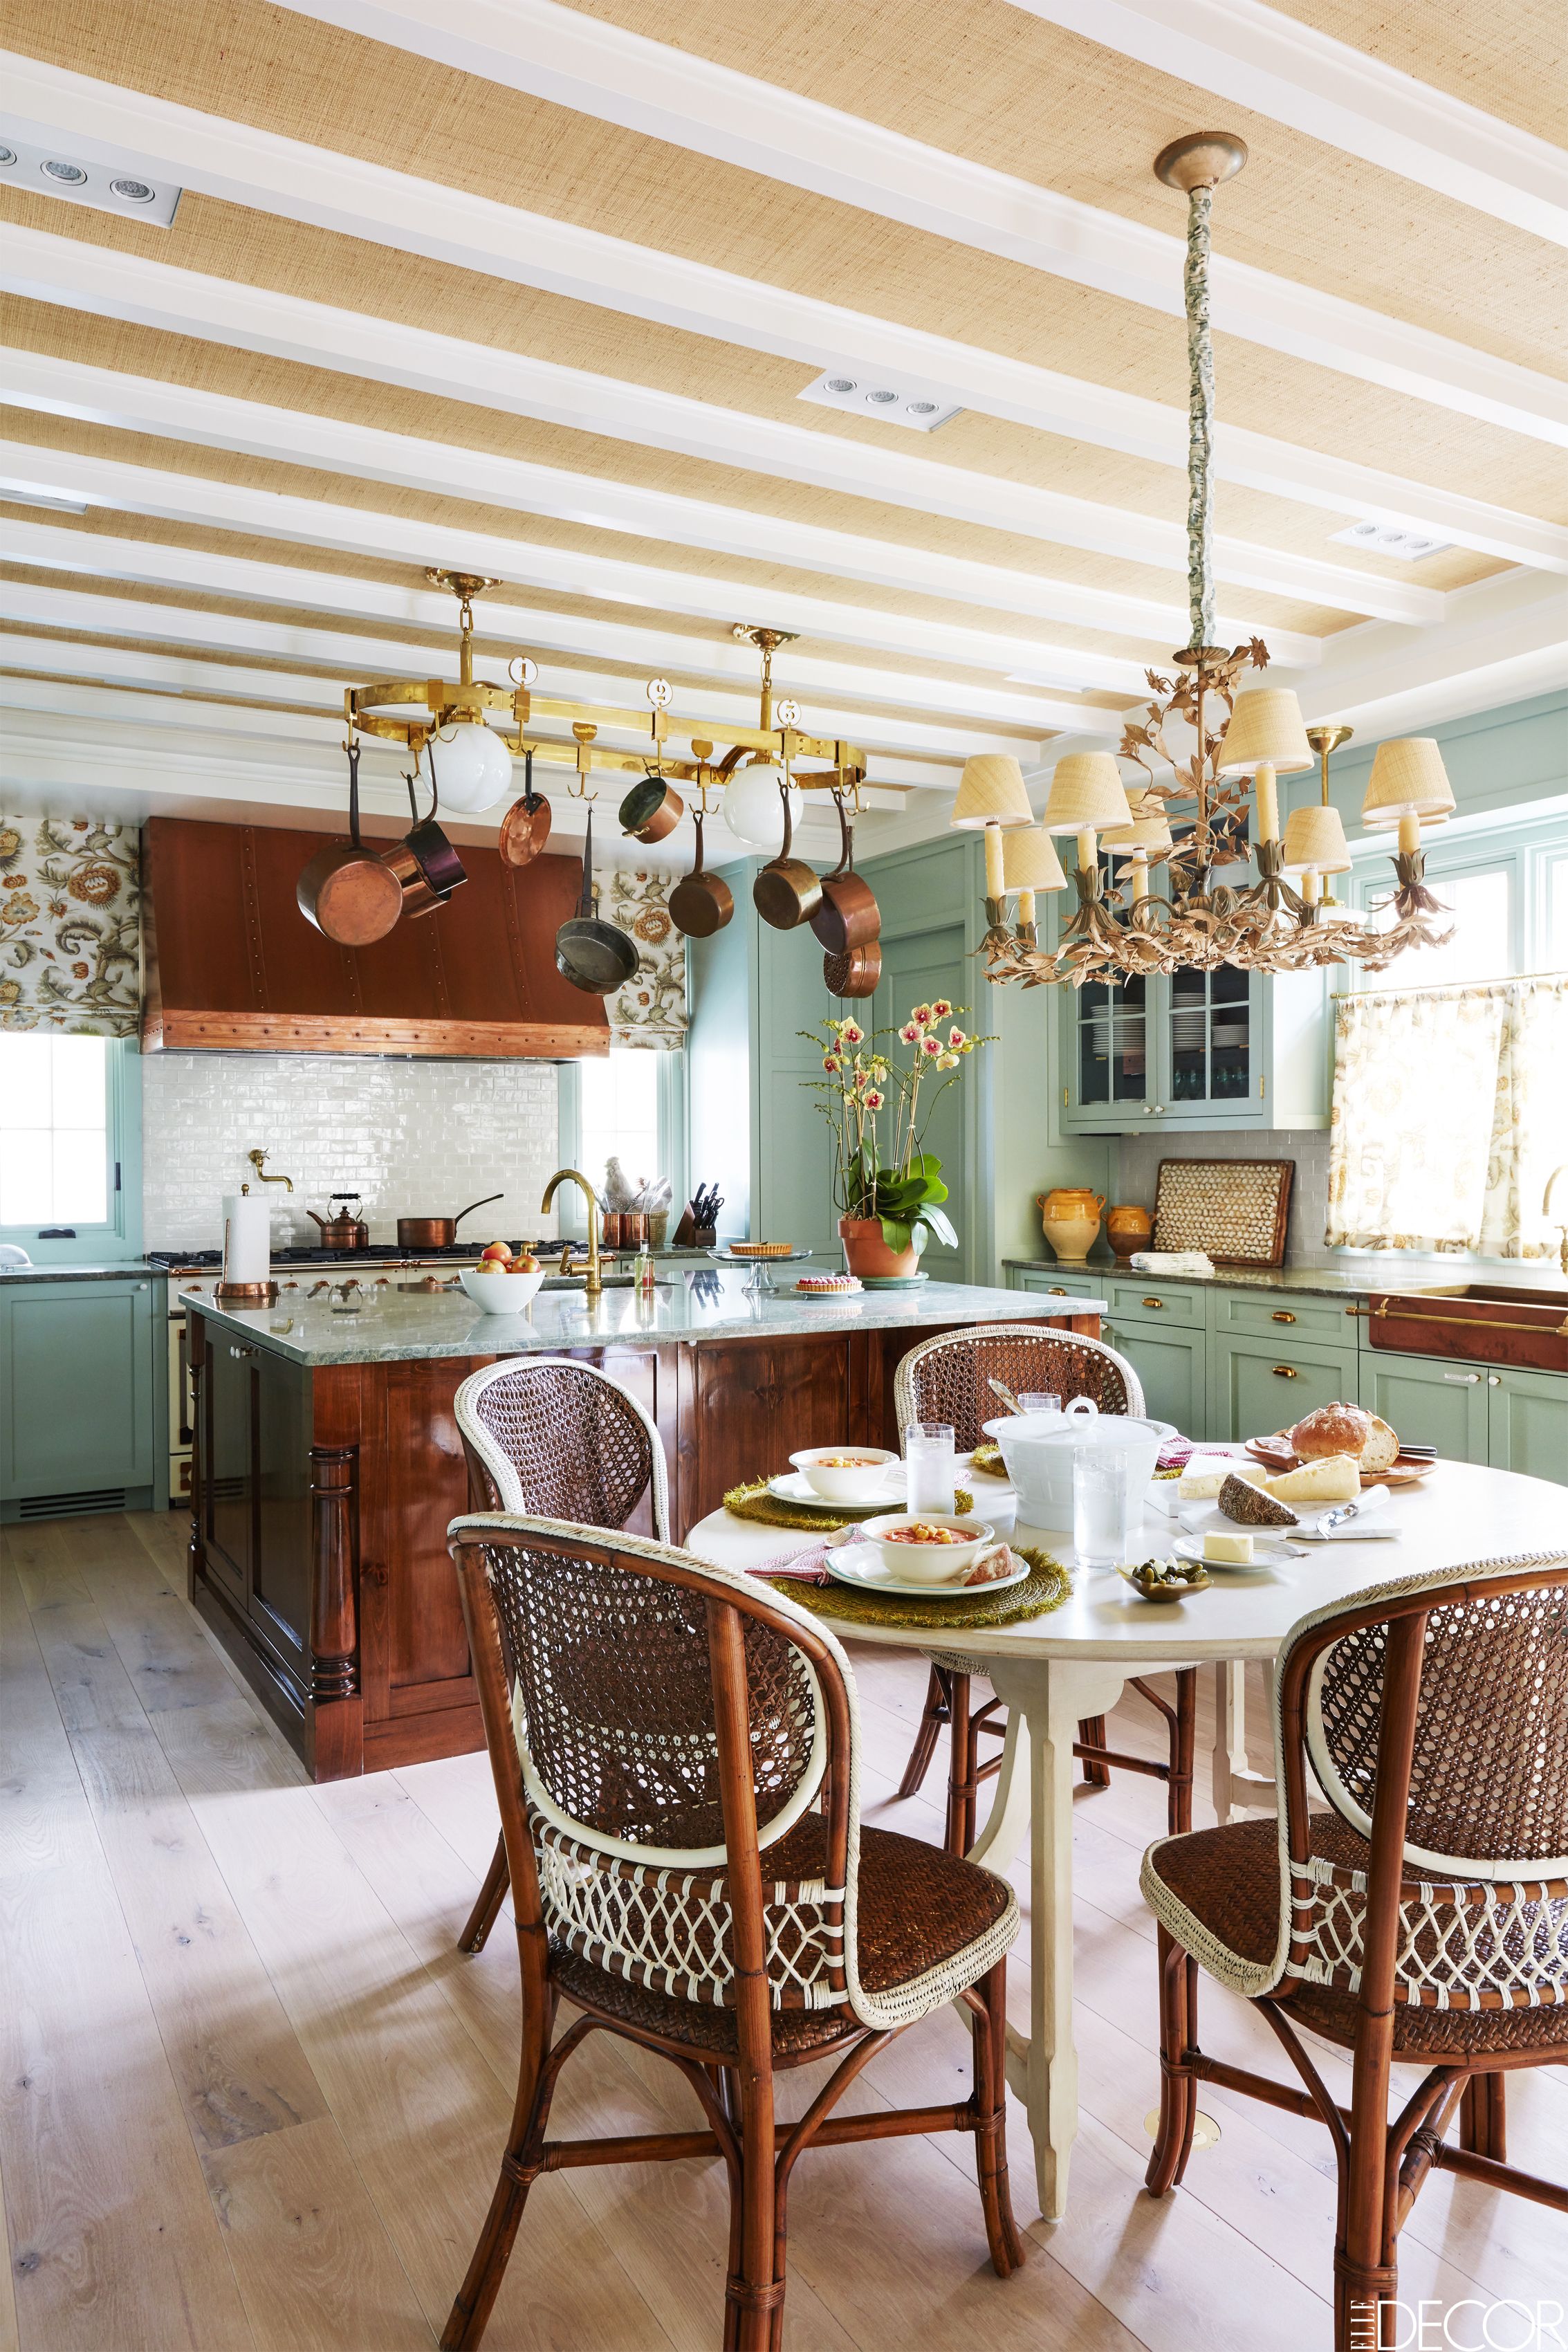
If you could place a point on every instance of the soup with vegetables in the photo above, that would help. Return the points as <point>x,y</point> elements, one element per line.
<point>924,1532</point>
<point>849,1461</point>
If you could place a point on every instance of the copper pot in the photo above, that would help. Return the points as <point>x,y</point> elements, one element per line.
<point>437,1232</point>
<point>651,810</point>
<point>787,892</point>
<point>701,904</point>
<point>525,828</point>
<point>344,1230</point>
<point>854,973</point>
<point>849,916</point>
<point>427,867</point>
<point>345,890</point>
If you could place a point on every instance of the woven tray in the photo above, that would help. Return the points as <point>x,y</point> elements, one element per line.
<point>1045,1587</point>
<point>1235,1210</point>
<point>755,1502</point>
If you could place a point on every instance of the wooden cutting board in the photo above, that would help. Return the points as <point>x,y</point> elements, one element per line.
<point>1234,1209</point>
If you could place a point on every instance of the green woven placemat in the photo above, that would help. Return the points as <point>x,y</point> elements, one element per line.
<point>1046,1587</point>
<point>755,1502</point>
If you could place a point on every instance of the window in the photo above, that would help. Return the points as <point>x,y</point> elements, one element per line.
<point>54,1131</point>
<point>618,1114</point>
<point>1481,912</point>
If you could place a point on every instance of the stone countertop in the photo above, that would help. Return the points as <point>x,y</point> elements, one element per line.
<point>400,1326</point>
<point>79,1273</point>
<point>1352,1281</point>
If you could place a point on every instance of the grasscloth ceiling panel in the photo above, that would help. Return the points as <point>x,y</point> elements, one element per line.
<point>288,74</point>
<point>1507,61</point>
<point>252,248</point>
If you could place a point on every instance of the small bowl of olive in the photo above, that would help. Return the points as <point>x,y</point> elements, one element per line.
<point>1165,1580</point>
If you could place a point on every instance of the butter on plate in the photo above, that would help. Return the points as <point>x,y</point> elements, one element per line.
<point>1228,1551</point>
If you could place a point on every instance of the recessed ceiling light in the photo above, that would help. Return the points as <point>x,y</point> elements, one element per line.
<point>1391,539</point>
<point>894,404</point>
<point>107,187</point>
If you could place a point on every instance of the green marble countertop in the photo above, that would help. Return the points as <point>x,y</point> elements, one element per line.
<point>1356,1280</point>
<point>395,1326</point>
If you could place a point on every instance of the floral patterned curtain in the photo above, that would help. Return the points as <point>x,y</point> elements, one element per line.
<point>70,926</point>
<point>1449,1113</point>
<point>651,1009</point>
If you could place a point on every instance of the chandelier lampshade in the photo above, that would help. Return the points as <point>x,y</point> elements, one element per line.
<point>1266,730</point>
<point>1087,795</point>
<point>1030,861</point>
<point>1148,831</point>
<point>1408,779</point>
<point>991,790</point>
<point>1314,840</point>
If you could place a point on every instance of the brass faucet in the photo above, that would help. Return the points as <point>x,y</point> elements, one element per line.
<point>256,1159</point>
<point>1546,1211</point>
<point>593,1285</point>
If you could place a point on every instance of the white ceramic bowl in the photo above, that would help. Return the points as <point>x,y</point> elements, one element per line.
<point>501,1293</point>
<point>927,1563</point>
<point>861,1485</point>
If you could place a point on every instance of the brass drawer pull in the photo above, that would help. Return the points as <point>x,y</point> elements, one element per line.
<point>1058,1290</point>
<point>1285,1372</point>
<point>1282,1315</point>
<point>1153,1302</point>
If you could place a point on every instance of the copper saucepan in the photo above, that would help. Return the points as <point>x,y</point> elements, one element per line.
<point>701,904</point>
<point>437,1232</point>
<point>854,973</point>
<point>345,890</point>
<point>849,916</point>
<point>427,867</point>
<point>525,828</point>
<point>787,892</point>
<point>651,810</point>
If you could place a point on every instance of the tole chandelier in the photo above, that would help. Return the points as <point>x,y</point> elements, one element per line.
<point>1202,736</point>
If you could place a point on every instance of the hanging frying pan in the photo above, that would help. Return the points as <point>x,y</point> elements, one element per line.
<point>596,957</point>
<point>701,904</point>
<point>849,916</point>
<point>525,828</point>
<point>651,810</point>
<point>427,867</point>
<point>345,890</point>
<point>855,973</point>
<point>787,892</point>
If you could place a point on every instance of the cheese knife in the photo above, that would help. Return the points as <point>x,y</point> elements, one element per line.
<point>1335,1522</point>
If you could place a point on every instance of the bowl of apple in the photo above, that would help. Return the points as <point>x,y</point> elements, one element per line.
<point>502,1284</point>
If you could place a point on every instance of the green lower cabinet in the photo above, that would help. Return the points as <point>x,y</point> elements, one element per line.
<point>1053,1284</point>
<point>78,1374</point>
<point>1429,1403</point>
<point>1526,1423</point>
<point>1258,1385</point>
<point>1169,1364</point>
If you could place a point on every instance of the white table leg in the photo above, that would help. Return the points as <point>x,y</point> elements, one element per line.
<point>1235,1782</point>
<point>1042,2068</point>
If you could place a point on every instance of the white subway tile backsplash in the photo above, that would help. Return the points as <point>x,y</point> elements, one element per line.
<point>1138,1158</point>
<point>412,1137</point>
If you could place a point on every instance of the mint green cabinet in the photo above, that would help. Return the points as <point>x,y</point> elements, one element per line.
<point>1169,1363</point>
<point>80,1366</point>
<point>1428,1401</point>
<point>1258,1385</point>
<point>1526,1423</point>
<point>1053,1283</point>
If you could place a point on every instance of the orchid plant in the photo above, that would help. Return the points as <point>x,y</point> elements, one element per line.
<point>879,1107</point>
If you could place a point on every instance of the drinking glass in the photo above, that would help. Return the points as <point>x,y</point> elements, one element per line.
<point>1039,1401</point>
<point>931,1479</point>
<point>1107,1507</point>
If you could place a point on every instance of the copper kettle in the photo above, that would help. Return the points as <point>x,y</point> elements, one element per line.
<point>344,1230</point>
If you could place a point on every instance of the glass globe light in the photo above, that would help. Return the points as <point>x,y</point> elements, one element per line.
<point>754,812</point>
<point>472,768</point>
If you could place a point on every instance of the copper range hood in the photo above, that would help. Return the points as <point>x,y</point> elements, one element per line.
<point>233,965</point>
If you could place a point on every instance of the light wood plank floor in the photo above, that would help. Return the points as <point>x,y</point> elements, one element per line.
<point>252,2100</point>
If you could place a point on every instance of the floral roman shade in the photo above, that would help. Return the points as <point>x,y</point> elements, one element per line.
<point>1450,1111</point>
<point>651,1009</point>
<point>70,926</point>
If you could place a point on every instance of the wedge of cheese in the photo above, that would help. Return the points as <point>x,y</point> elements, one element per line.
<point>1333,1478</point>
<point>1204,1474</point>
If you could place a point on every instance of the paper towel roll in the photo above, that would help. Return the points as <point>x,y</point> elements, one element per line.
<point>247,1238</point>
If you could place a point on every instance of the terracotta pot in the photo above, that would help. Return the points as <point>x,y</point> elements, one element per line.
<point>866,1252</point>
<point>1129,1229</point>
<point>1069,1217</point>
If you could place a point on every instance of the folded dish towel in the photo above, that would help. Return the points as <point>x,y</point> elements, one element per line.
<point>1171,1262</point>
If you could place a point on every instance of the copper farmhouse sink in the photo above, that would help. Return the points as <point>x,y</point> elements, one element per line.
<point>1487,1322</point>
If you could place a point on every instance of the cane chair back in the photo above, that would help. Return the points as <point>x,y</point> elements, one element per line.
<point>562,1439</point>
<point>688,1744</point>
<point>947,1379</point>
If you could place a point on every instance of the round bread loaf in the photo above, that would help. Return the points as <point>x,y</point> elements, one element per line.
<point>1331,1428</point>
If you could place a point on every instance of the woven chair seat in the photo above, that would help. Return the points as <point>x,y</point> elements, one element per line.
<point>1226,1884</point>
<point>920,1910</point>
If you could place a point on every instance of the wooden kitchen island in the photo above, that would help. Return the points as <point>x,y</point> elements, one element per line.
<point>326,1462</point>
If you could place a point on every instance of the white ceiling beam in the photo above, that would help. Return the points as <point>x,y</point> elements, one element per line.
<point>599,69</point>
<point>61,387</point>
<point>179,671</point>
<point>155,564</point>
<point>243,165</point>
<point>1505,638</point>
<point>150,293</point>
<point>212,504</point>
<point>1275,66</point>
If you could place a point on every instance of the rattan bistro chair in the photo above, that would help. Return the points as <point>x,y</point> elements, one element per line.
<point>563,1439</point>
<point>948,1379</point>
<point>1421,1921</point>
<point>677,1758</point>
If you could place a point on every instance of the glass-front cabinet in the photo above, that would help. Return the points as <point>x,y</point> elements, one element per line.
<point>1182,1050</point>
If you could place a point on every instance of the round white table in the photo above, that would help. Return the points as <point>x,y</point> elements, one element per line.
<point>1074,1662</point>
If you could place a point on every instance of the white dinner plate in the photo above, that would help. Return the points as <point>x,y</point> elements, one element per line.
<point>794,1486</point>
<point>862,1564</point>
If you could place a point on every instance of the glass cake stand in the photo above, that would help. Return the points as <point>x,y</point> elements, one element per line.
<point>761,1285</point>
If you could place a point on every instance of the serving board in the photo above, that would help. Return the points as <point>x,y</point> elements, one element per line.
<point>1235,1210</point>
<point>1277,1454</point>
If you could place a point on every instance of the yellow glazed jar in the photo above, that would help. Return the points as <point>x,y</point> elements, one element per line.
<point>1070,1218</point>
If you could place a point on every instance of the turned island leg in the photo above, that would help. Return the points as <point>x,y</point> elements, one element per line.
<point>334,1727</point>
